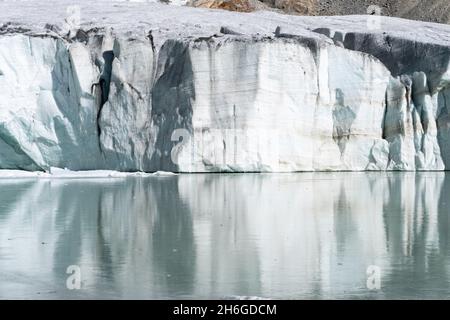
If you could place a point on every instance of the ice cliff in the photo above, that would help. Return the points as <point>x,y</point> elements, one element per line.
<point>147,87</point>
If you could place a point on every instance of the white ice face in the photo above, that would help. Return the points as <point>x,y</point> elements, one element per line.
<point>185,97</point>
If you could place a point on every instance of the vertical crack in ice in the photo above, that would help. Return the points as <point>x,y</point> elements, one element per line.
<point>104,85</point>
<point>105,77</point>
<point>152,41</point>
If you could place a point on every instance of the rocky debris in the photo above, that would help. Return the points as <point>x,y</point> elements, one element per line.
<point>430,10</point>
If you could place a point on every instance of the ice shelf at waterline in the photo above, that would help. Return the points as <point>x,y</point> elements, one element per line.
<point>148,87</point>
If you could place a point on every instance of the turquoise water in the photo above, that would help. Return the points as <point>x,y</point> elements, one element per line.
<point>291,236</point>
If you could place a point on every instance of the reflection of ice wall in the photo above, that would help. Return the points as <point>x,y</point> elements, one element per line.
<point>305,245</point>
<point>216,236</point>
<point>293,100</point>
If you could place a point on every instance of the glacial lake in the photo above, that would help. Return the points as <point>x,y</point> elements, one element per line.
<point>290,236</point>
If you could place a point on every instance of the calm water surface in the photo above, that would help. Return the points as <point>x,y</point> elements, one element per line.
<point>293,236</point>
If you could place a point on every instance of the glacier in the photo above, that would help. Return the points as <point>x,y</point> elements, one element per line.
<point>152,87</point>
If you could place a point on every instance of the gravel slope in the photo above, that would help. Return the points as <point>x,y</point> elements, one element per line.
<point>425,10</point>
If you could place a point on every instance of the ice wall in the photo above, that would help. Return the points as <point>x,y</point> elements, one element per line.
<point>319,100</point>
